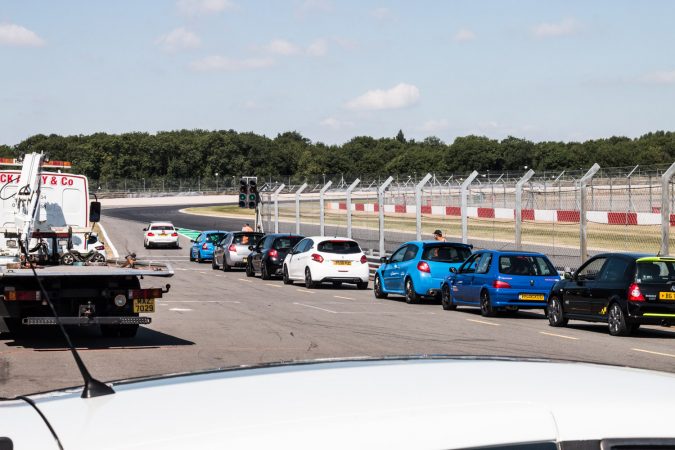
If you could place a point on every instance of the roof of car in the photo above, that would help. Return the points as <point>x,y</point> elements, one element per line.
<point>215,231</point>
<point>161,223</point>
<point>632,255</point>
<point>285,235</point>
<point>657,259</point>
<point>328,238</point>
<point>427,242</point>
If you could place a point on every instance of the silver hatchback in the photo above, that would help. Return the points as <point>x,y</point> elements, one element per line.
<point>233,249</point>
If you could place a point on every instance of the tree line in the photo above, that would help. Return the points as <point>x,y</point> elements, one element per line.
<point>199,153</point>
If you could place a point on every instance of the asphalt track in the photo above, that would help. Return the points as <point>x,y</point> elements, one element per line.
<point>214,319</point>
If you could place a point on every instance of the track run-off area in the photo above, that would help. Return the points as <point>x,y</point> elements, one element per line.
<point>213,319</point>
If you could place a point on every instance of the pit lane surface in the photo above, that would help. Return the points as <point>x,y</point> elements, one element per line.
<point>214,319</point>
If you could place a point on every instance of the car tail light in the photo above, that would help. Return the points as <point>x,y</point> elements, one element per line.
<point>273,253</point>
<point>316,257</point>
<point>100,247</point>
<point>205,246</point>
<point>364,260</point>
<point>151,234</point>
<point>232,248</point>
<point>174,234</point>
<point>499,284</point>
<point>634,293</point>
<point>423,266</point>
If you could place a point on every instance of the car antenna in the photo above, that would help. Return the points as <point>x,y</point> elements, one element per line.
<point>92,387</point>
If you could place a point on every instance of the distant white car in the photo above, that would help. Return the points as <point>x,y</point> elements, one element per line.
<point>93,243</point>
<point>321,259</point>
<point>160,234</point>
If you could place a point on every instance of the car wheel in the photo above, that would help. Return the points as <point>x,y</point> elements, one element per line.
<point>249,270</point>
<point>67,259</point>
<point>377,288</point>
<point>287,280</point>
<point>145,244</point>
<point>264,271</point>
<point>309,283</point>
<point>199,257</point>
<point>226,266</point>
<point>98,258</point>
<point>446,298</point>
<point>192,258</point>
<point>554,312</point>
<point>410,294</point>
<point>617,321</point>
<point>486,308</point>
<point>214,265</point>
<point>363,285</point>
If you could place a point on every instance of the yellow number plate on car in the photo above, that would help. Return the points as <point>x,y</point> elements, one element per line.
<point>144,305</point>
<point>342,263</point>
<point>666,295</point>
<point>539,297</point>
<point>244,259</point>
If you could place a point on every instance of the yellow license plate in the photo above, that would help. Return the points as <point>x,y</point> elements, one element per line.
<point>162,234</point>
<point>144,305</point>
<point>342,263</point>
<point>666,295</point>
<point>245,259</point>
<point>539,297</point>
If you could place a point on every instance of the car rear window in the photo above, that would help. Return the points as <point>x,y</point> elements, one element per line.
<point>286,242</point>
<point>162,228</point>
<point>339,246</point>
<point>526,265</point>
<point>655,272</point>
<point>246,238</point>
<point>446,253</point>
<point>214,238</point>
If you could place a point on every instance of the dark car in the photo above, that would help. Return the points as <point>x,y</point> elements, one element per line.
<point>267,256</point>
<point>623,290</point>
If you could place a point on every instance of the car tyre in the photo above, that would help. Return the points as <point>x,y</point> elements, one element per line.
<point>616,320</point>
<point>199,257</point>
<point>214,265</point>
<point>264,271</point>
<point>309,283</point>
<point>486,308</point>
<point>249,270</point>
<point>377,288</point>
<point>410,294</point>
<point>226,266</point>
<point>555,313</point>
<point>446,299</point>
<point>192,258</point>
<point>363,285</point>
<point>287,279</point>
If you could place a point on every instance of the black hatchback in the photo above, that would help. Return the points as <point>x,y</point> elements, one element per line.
<point>624,290</point>
<point>267,256</point>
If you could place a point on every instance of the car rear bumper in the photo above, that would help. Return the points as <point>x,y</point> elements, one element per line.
<point>163,241</point>
<point>237,260</point>
<point>649,313</point>
<point>512,297</point>
<point>351,280</point>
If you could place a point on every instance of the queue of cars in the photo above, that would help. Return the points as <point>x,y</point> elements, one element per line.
<point>624,290</point>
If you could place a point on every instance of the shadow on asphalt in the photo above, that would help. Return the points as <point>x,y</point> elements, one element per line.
<point>641,333</point>
<point>49,339</point>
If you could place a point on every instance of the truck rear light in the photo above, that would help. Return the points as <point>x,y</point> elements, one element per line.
<point>423,266</point>
<point>499,284</point>
<point>634,293</point>
<point>273,253</point>
<point>151,234</point>
<point>316,257</point>
<point>205,246</point>
<point>144,293</point>
<point>232,248</point>
<point>364,260</point>
<point>25,296</point>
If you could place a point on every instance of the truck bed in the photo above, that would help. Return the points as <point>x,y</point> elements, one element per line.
<point>111,268</point>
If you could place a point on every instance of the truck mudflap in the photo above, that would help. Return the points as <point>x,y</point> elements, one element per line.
<point>84,321</point>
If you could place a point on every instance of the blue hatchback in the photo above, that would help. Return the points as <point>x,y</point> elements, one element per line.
<point>418,269</point>
<point>203,245</point>
<point>498,280</point>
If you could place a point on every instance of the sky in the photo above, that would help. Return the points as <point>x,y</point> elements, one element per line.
<point>332,70</point>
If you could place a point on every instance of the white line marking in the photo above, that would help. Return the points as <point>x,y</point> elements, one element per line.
<point>108,241</point>
<point>273,285</point>
<point>305,291</point>
<point>180,309</point>
<point>316,307</point>
<point>346,298</point>
<point>559,335</point>
<point>244,279</point>
<point>365,312</point>
<point>654,353</point>
<point>203,273</point>
<point>483,322</point>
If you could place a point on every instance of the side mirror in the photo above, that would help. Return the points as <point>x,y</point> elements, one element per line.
<point>95,212</point>
<point>192,240</point>
<point>453,270</point>
<point>568,275</point>
<point>384,260</point>
<point>250,247</point>
<point>145,229</point>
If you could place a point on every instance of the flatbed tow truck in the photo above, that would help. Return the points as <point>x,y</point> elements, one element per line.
<point>45,220</point>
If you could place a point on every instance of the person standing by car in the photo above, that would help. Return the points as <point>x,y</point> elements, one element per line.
<point>246,227</point>
<point>438,236</point>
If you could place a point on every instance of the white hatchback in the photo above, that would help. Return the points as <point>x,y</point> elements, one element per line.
<point>321,259</point>
<point>160,234</point>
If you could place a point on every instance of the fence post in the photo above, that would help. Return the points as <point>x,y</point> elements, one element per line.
<point>380,207</point>
<point>665,210</point>
<point>418,205</point>
<point>349,207</point>
<point>322,211</point>
<point>275,198</point>
<point>583,243</point>
<point>297,207</point>
<point>519,207</point>
<point>464,193</point>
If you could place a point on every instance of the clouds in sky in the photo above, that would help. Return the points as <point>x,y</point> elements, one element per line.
<point>223,64</point>
<point>400,96</point>
<point>464,35</point>
<point>313,6</point>
<point>179,39</point>
<point>18,36</point>
<point>565,27</point>
<point>336,124</point>
<point>203,7</point>
<point>434,126</point>
<point>660,77</point>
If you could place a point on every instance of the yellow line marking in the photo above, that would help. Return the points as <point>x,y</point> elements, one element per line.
<point>244,279</point>
<point>272,284</point>
<point>346,298</point>
<point>654,353</point>
<point>483,322</point>
<point>559,335</point>
<point>305,291</point>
